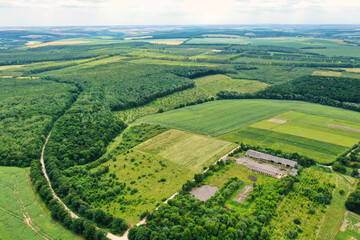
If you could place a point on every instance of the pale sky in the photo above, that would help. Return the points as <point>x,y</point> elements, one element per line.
<point>169,12</point>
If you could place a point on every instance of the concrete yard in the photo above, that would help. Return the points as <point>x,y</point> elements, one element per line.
<point>204,192</point>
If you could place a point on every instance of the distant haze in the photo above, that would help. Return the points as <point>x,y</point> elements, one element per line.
<point>166,12</point>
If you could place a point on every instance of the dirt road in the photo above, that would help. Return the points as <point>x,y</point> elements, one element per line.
<point>73,215</point>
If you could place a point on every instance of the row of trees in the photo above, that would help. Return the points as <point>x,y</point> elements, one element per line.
<point>353,201</point>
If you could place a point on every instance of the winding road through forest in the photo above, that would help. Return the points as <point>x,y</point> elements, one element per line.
<point>72,214</point>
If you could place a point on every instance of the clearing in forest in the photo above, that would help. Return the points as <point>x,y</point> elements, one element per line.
<point>327,73</point>
<point>21,216</point>
<point>216,83</point>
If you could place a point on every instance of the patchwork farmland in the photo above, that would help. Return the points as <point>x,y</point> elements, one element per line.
<point>300,127</point>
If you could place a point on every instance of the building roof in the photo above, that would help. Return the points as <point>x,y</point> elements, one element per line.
<point>264,169</point>
<point>268,157</point>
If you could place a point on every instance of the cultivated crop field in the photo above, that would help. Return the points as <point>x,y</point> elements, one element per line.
<point>190,150</point>
<point>314,127</point>
<point>21,215</point>
<point>320,151</point>
<point>307,131</point>
<point>217,118</point>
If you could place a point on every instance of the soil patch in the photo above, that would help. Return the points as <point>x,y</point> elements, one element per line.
<point>253,178</point>
<point>276,120</point>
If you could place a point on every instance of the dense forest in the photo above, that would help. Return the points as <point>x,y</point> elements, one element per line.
<point>27,113</point>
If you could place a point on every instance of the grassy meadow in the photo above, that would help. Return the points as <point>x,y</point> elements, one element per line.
<point>150,179</point>
<point>239,171</point>
<point>21,215</point>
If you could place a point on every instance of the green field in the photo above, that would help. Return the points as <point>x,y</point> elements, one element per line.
<point>320,151</point>
<point>220,117</point>
<point>291,42</point>
<point>21,216</point>
<point>190,150</point>
<point>313,127</point>
<point>348,51</point>
<point>216,83</point>
<point>239,171</point>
